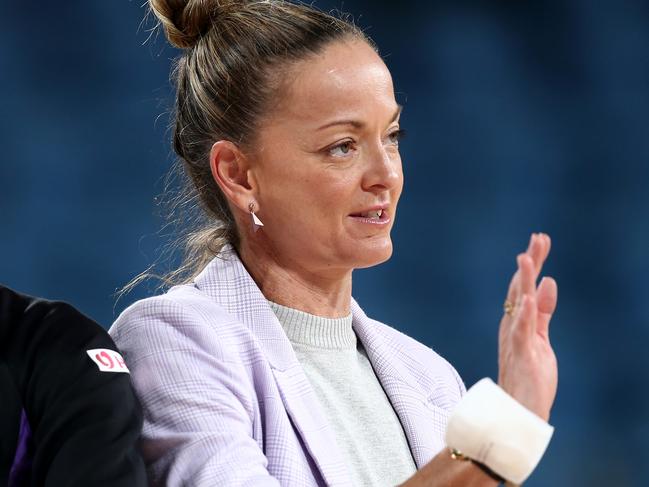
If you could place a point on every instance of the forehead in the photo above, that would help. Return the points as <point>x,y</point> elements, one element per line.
<point>346,78</point>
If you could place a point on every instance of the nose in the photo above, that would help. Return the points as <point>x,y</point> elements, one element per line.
<point>383,169</point>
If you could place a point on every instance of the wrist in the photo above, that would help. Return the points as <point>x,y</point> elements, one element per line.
<point>492,428</point>
<point>527,398</point>
<point>459,456</point>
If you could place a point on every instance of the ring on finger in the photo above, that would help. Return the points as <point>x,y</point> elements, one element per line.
<point>508,307</point>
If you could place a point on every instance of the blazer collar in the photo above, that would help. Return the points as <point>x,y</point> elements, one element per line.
<point>226,280</point>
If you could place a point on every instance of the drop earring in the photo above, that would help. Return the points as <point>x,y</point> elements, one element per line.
<point>256,222</point>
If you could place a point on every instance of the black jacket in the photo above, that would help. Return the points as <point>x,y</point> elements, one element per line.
<point>85,423</point>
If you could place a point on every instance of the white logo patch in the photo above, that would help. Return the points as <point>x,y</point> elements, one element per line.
<point>107,360</point>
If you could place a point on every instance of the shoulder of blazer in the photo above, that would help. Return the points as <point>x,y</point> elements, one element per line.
<point>178,307</point>
<point>184,316</point>
<point>429,370</point>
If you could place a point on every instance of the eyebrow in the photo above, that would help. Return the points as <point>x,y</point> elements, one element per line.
<point>357,124</point>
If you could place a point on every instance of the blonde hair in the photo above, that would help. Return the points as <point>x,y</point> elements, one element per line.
<point>233,61</point>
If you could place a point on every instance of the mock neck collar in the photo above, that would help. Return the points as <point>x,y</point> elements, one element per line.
<point>304,328</point>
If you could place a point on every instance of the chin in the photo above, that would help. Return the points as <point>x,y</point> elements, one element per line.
<point>374,254</point>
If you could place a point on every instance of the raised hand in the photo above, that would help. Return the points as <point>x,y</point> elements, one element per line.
<point>527,366</point>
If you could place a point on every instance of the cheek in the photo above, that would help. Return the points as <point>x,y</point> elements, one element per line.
<point>304,197</point>
<point>330,194</point>
<point>398,186</point>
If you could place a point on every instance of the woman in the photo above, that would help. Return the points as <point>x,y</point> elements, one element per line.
<point>67,409</point>
<point>261,369</point>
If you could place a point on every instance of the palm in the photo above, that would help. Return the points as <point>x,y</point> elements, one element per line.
<point>527,364</point>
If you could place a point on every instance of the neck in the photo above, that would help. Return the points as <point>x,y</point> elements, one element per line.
<point>321,292</point>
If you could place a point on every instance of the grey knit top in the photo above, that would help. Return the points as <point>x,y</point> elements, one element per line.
<point>367,430</point>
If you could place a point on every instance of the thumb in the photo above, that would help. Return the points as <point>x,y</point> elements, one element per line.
<point>546,298</point>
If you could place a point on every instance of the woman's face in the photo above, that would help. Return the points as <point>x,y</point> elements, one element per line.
<point>327,165</point>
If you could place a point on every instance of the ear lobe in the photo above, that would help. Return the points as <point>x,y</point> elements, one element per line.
<point>230,171</point>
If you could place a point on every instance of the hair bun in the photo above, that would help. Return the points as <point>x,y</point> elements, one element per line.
<point>186,21</point>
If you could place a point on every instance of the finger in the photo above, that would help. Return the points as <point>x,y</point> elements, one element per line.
<point>527,277</point>
<point>525,321</point>
<point>512,291</point>
<point>537,249</point>
<point>546,297</point>
<point>543,250</point>
<point>523,282</point>
<point>548,243</point>
<point>507,321</point>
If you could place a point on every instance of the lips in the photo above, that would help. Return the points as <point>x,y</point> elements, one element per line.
<point>375,214</point>
<point>371,214</point>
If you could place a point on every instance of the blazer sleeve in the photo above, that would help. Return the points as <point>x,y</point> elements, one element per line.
<point>85,423</point>
<point>197,397</point>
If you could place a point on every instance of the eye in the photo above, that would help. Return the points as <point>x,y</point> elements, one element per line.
<point>341,150</point>
<point>396,136</point>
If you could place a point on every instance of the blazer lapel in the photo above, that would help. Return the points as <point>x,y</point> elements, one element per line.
<point>303,407</point>
<point>227,281</point>
<point>423,422</point>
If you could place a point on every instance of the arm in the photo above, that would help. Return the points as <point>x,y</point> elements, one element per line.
<point>84,423</point>
<point>198,400</point>
<point>527,364</point>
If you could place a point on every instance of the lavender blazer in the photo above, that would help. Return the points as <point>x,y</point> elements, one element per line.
<point>226,402</point>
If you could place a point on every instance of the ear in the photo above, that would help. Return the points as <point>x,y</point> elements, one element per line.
<point>230,171</point>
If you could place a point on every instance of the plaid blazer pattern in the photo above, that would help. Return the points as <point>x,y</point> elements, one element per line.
<point>226,402</point>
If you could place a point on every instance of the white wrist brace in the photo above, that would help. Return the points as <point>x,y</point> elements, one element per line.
<point>492,428</point>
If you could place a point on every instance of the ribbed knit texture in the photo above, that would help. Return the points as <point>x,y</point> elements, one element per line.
<point>367,430</point>
<point>315,331</point>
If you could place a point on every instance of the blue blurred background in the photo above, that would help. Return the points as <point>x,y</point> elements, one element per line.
<point>521,116</point>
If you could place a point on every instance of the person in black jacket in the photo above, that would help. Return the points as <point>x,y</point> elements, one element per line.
<point>68,415</point>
